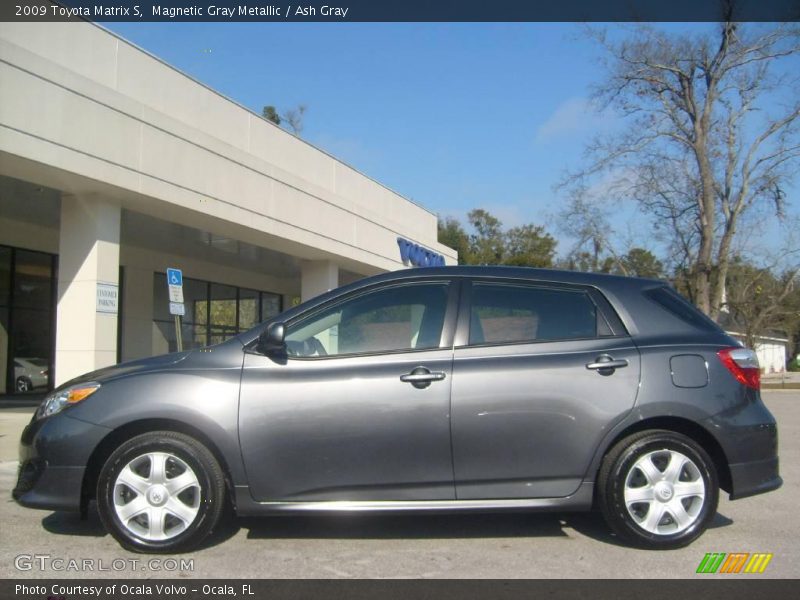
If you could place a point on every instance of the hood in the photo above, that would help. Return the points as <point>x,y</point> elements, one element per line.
<point>188,359</point>
<point>151,363</point>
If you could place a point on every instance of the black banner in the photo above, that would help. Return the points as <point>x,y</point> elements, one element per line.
<point>400,10</point>
<point>734,588</point>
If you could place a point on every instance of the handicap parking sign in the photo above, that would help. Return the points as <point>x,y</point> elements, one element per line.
<point>175,277</point>
<point>175,285</point>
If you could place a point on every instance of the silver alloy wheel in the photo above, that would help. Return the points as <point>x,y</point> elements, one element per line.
<point>664,492</point>
<point>157,496</point>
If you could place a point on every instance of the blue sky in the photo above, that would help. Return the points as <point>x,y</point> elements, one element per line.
<point>453,116</point>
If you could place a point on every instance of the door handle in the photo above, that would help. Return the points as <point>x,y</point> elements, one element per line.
<point>421,377</point>
<point>605,364</point>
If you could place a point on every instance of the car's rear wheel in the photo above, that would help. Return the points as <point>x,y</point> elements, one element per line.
<point>658,489</point>
<point>161,491</point>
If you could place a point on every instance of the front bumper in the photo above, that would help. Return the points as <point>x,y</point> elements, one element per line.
<point>48,487</point>
<point>53,455</point>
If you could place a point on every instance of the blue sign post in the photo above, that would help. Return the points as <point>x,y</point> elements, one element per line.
<point>176,308</point>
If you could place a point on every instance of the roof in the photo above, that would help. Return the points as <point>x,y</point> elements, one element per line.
<point>600,280</point>
<point>644,318</point>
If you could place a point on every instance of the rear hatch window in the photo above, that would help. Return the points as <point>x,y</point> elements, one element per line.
<point>671,300</point>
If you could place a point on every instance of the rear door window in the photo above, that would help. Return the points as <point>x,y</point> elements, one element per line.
<point>514,313</point>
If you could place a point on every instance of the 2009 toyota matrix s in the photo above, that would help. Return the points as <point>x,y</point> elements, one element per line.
<point>456,388</point>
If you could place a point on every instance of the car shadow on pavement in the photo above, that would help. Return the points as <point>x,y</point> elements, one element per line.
<point>416,526</point>
<point>592,525</point>
<point>720,521</point>
<point>71,523</point>
<point>420,526</point>
<point>372,526</point>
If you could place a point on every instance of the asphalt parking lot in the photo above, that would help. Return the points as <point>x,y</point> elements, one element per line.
<point>417,546</point>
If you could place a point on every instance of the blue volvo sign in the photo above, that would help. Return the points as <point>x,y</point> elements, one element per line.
<point>418,256</point>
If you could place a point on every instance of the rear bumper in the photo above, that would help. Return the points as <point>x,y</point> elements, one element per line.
<point>756,477</point>
<point>748,435</point>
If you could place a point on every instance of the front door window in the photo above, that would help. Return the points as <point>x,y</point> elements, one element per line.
<point>399,318</point>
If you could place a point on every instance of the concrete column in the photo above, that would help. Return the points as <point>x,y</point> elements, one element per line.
<point>137,314</point>
<point>317,277</point>
<point>88,272</point>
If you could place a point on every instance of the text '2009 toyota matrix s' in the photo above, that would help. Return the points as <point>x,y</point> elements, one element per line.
<point>455,388</point>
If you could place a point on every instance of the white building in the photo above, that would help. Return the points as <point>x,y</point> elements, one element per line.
<point>115,166</point>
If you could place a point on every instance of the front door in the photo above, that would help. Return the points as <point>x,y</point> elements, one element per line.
<point>531,399</point>
<point>359,407</point>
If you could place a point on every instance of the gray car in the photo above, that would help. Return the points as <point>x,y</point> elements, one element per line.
<point>433,389</point>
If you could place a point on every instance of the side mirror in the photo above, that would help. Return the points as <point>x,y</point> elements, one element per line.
<point>271,339</point>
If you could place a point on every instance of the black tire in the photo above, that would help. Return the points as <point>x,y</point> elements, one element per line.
<point>619,463</point>
<point>209,474</point>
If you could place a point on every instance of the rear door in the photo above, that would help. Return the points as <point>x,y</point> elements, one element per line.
<point>531,398</point>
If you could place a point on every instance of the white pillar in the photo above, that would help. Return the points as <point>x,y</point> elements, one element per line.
<point>88,273</point>
<point>317,277</point>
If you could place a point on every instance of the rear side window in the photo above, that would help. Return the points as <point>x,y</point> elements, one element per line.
<point>671,300</point>
<point>502,313</point>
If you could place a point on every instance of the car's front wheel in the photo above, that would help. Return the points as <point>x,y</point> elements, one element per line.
<point>658,489</point>
<point>160,492</point>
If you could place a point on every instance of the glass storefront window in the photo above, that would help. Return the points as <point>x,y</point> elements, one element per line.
<point>222,308</point>
<point>271,306</point>
<point>5,275</point>
<point>248,309</point>
<point>214,312</point>
<point>27,282</point>
<point>195,321</point>
<point>33,280</point>
<point>5,297</point>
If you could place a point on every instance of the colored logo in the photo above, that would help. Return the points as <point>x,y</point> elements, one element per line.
<point>735,562</point>
<point>416,255</point>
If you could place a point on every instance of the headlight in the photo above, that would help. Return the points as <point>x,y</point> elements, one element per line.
<point>60,399</point>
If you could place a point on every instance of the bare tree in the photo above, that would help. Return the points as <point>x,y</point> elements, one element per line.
<point>757,300</point>
<point>598,246</point>
<point>762,290</point>
<point>291,118</point>
<point>712,134</point>
<point>588,225</point>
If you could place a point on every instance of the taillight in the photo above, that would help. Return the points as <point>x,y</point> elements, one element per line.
<point>743,365</point>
